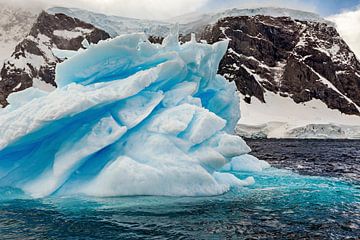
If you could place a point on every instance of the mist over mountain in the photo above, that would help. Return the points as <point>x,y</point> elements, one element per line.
<point>15,24</point>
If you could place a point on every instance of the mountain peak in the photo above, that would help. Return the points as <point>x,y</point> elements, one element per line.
<point>115,25</point>
<point>266,11</point>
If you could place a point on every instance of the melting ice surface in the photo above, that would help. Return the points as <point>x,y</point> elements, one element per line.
<point>129,118</point>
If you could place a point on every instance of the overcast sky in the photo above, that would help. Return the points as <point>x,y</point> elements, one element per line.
<point>162,9</point>
<point>348,25</point>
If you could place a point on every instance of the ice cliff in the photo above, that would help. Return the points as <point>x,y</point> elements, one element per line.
<point>129,118</point>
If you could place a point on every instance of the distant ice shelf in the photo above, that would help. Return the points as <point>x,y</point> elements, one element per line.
<point>281,117</point>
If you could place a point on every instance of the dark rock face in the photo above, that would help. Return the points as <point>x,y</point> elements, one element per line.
<point>303,60</point>
<point>34,60</point>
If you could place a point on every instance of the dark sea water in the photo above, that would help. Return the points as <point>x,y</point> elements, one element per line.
<point>333,158</point>
<point>318,199</point>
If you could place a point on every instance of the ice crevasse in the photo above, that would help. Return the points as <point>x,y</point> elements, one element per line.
<point>129,118</point>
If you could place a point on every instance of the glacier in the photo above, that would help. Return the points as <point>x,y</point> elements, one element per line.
<point>128,118</point>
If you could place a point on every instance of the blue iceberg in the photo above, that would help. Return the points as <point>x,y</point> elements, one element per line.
<point>129,118</point>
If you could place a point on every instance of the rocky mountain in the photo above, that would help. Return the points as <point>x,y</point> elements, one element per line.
<point>34,59</point>
<point>296,78</point>
<point>116,25</point>
<point>298,59</point>
<point>278,63</point>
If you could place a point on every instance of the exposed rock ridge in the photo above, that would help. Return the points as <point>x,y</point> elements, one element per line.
<point>300,59</point>
<point>33,62</point>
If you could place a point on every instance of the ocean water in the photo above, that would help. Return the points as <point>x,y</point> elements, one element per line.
<point>313,193</point>
<point>332,158</point>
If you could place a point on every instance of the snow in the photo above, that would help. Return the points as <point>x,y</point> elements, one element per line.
<point>67,34</point>
<point>330,85</point>
<point>302,42</point>
<point>223,30</point>
<point>32,59</point>
<point>17,87</point>
<point>281,117</point>
<point>279,67</point>
<point>334,49</point>
<point>194,22</point>
<point>47,87</point>
<point>64,54</point>
<point>6,49</point>
<point>333,52</point>
<point>27,61</point>
<point>115,25</point>
<point>129,118</point>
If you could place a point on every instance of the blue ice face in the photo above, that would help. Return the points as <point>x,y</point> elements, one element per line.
<point>129,118</point>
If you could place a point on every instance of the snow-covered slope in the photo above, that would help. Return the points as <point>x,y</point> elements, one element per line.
<point>266,11</point>
<point>34,60</point>
<point>194,21</point>
<point>115,25</point>
<point>280,117</point>
<point>15,24</point>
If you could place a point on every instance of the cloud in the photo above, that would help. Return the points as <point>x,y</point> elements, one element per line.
<point>293,4</point>
<point>347,24</point>
<point>30,5</point>
<point>158,9</point>
<point>151,9</point>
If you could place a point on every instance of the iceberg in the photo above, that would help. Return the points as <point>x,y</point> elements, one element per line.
<point>129,118</point>
<point>246,163</point>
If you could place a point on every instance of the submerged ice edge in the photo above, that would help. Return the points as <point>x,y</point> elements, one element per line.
<point>129,118</point>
